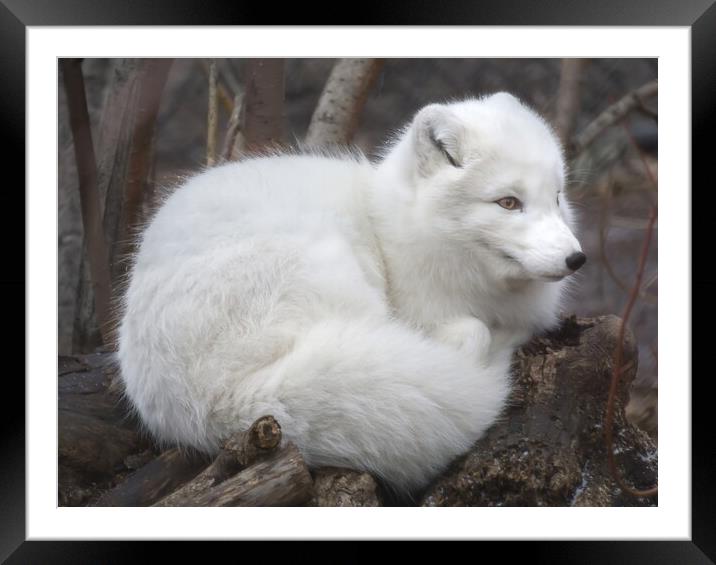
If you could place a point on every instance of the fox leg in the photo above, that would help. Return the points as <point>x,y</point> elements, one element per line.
<point>467,334</point>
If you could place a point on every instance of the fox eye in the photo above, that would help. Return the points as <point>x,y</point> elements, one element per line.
<point>509,203</point>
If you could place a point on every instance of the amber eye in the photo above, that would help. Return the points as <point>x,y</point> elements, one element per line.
<point>510,203</point>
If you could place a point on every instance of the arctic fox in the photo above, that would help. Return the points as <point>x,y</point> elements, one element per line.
<point>372,308</point>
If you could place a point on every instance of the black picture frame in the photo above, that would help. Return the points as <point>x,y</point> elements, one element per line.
<point>699,15</point>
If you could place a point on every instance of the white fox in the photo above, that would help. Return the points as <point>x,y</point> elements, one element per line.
<point>371,308</point>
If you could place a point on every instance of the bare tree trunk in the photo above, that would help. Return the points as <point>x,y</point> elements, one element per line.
<point>262,112</point>
<point>125,151</point>
<point>153,77</point>
<point>95,247</point>
<point>113,154</point>
<point>567,109</point>
<point>335,119</point>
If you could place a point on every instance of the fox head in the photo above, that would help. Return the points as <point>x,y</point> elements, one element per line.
<point>489,174</point>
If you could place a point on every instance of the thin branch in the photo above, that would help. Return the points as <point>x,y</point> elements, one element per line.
<point>231,95</point>
<point>603,231</point>
<point>232,130</point>
<point>336,116</point>
<point>567,107</point>
<point>610,116</point>
<point>628,222</point>
<point>212,118</point>
<point>224,94</point>
<point>227,75</point>
<point>616,375</point>
<point>96,246</point>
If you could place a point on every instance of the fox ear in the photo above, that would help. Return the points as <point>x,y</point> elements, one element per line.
<point>437,135</point>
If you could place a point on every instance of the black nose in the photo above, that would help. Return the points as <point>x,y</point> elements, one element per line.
<point>576,260</point>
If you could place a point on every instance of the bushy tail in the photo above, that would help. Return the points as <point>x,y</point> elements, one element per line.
<point>378,397</point>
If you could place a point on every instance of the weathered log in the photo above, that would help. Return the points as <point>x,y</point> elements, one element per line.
<point>100,443</point>
<point>548,449</point>
<point>95,432</point>
<point>344,487</point>
<point>281,480</point>
<point>155,480</point>
<point>240,451</point>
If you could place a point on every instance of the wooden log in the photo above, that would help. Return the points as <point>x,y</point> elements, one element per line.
<point>93,447</point>
<point>344,487</point>
<point>281,480</point>
<point>155,480</point>
<point>548,448</point>
<point>95,433</point>
<point>240,451</point>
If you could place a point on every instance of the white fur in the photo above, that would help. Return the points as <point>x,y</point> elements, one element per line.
<point>369,307</point>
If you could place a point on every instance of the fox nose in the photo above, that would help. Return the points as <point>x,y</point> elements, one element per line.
<point>576,260</point>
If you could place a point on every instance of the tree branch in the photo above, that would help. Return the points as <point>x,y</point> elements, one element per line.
<point>212,118</point>
<point>231,139</point>
<point>612,115</point>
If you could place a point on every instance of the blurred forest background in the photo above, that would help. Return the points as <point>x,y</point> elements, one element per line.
<point>612,180</point>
